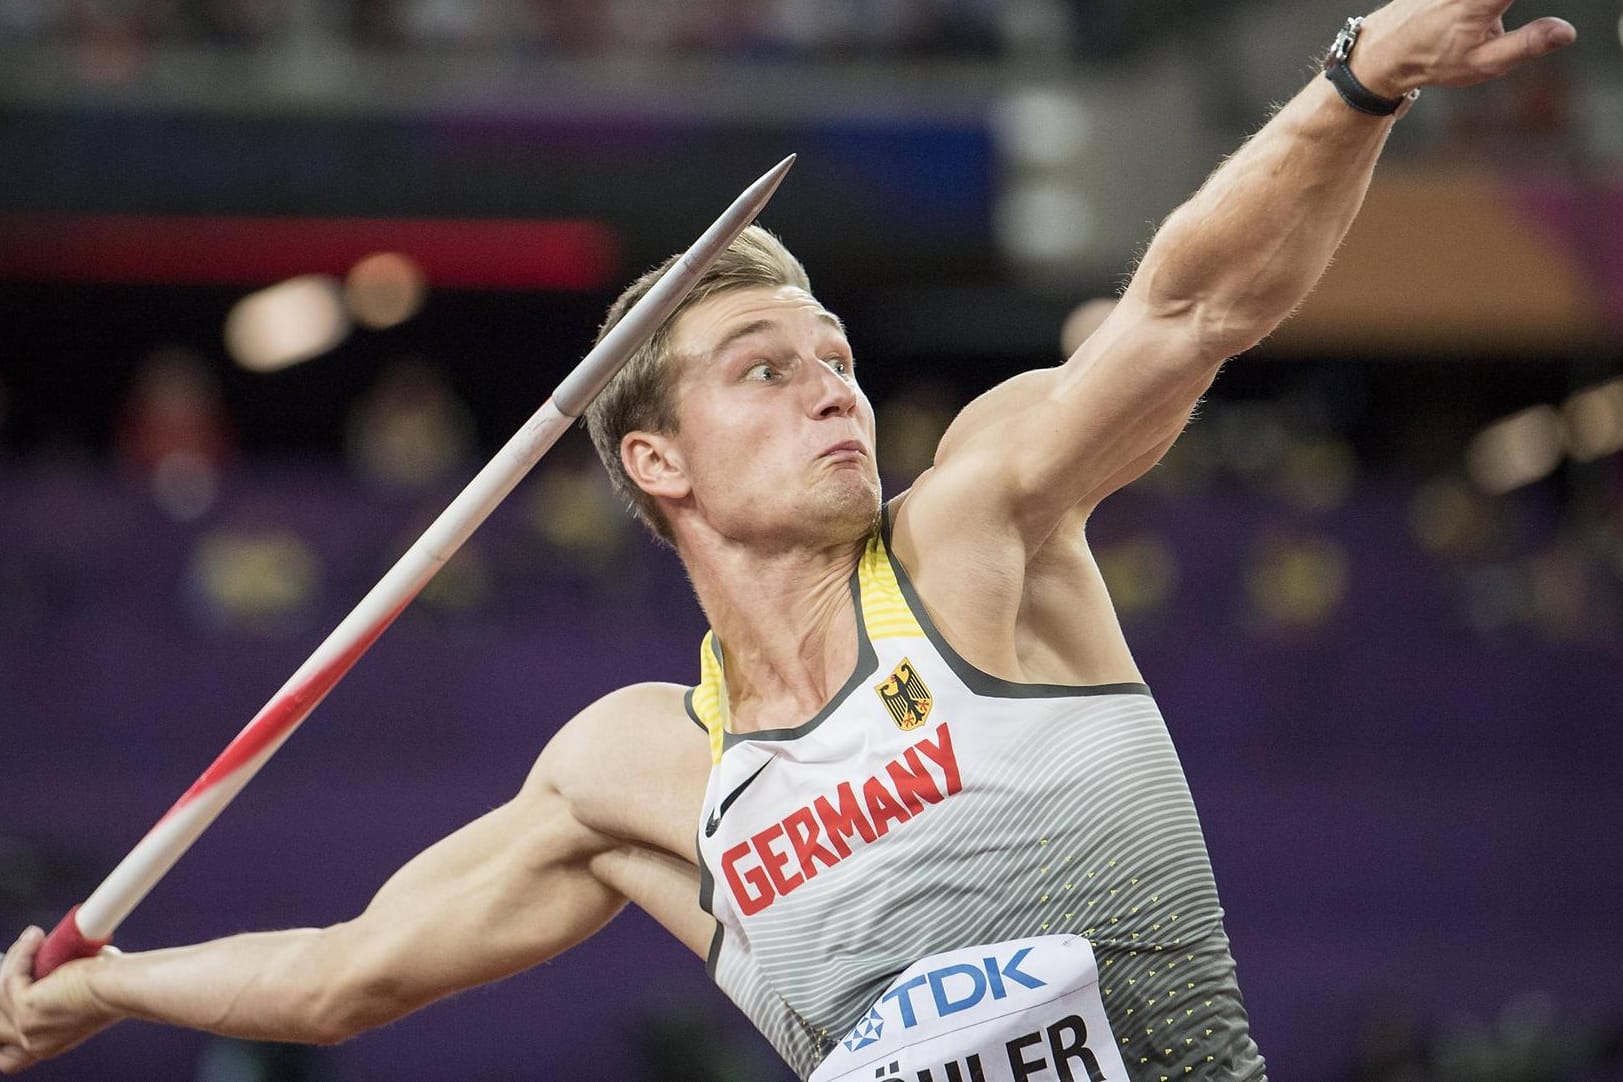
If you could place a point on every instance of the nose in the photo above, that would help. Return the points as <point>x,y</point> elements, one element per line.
<point>834,394</point>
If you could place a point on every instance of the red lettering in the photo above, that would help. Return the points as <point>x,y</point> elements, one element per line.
<point>839,823</point>
<point>749,903</point>
<point>837,819</point>
<point>882,806</point>
<point>941,752</point>
<point>774,861</point>
<point>913,782</point>
<point>802,831</point>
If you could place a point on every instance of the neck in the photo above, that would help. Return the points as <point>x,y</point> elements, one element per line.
<point>786,624</point>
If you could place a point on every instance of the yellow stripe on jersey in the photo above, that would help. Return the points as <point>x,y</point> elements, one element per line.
<point>884,610</point>
<point>710,696</point>
<point>885,615</point>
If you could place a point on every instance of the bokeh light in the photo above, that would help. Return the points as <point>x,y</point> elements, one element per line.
<point>1516,451</point>
<point>384,290</point>
<point>287,323</point>
<point>1594,421</point>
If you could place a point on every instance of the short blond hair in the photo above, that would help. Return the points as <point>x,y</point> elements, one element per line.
<point>640,396</point>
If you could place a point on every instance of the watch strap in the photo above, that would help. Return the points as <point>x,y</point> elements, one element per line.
<point>1353,92</point>
<point>1359,96</point>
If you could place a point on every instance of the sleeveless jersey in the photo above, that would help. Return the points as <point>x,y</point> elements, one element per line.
<point>940,853</point>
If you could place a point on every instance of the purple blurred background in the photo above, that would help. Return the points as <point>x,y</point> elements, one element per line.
<point>1377,587</point>
<point>1408,819</point>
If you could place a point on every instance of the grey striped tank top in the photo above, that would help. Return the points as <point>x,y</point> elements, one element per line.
<point>931,808</point>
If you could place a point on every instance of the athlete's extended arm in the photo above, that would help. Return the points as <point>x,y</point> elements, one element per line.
<point>1225,269</point>
<point>507,891</point>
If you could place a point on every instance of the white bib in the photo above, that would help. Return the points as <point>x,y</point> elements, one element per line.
<point>1026,1010</point>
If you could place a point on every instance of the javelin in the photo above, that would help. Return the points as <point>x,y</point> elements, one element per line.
<point>90,926</point>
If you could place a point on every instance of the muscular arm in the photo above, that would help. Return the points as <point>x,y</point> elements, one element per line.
<point>507,891</point>
<point>503,893</point>
<point>1225,268</point>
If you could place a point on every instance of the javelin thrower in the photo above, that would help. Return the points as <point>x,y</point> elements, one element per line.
<point>919,813</point>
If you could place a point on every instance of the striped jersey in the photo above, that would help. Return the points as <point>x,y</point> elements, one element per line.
<point>949,877</point>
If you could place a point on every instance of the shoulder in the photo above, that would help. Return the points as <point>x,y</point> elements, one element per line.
<point>962,496</point>
<point>632,728</point>
<point>629,762</point>
<point>981,417</point>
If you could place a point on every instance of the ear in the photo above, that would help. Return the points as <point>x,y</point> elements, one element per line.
<point>655,465</point>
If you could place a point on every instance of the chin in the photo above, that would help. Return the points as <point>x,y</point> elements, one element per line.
<point>852,513</point>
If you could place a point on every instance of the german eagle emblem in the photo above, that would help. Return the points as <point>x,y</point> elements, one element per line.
<point>905,696</point>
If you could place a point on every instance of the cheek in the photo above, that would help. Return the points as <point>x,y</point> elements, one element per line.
<point>736,446</point>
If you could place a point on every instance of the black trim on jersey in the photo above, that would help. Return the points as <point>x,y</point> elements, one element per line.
<point>984,683</point>
<point>867,661</point>
<point>707,894</point>
<point>693,715</point>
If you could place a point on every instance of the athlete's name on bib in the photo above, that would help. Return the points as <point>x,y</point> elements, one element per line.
<point>1064,1040</point>
<point>781,858</point>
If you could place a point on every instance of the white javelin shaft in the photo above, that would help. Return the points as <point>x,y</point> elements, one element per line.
<point>147,863</point>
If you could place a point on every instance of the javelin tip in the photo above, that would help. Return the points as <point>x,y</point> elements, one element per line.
<point>757,194</point>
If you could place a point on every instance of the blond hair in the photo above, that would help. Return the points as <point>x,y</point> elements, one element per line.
<point>640,397</point>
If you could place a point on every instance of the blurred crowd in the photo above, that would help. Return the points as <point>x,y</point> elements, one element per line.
<point>1314,528</point>
<point>773,28</point>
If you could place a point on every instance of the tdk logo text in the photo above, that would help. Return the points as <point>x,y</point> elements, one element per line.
<point>959,987</point>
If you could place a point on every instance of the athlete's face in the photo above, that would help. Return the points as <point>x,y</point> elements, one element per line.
<point>775,439</point>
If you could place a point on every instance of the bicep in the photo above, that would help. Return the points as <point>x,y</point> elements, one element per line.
<point>1048,442</point>
<point>509,890</point>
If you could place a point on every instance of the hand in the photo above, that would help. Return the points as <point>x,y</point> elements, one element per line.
<point>41,1019</point>
<point>1452,43</point>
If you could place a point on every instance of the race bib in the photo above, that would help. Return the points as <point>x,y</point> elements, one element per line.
<point>1027,1010</point>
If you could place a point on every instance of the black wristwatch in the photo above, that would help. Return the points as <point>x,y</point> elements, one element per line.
<point>1353,92</point>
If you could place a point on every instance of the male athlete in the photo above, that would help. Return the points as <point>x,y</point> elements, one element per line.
<point>941,831</point>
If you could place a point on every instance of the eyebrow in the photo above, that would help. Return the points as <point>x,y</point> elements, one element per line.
<point>758,325</point>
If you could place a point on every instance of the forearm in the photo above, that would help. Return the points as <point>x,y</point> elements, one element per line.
<point>1234,261</point>
<point>280,986</point>
<point>1239,256</point>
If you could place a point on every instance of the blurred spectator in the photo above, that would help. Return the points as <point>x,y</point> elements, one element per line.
<point>173,431</point>
<point>110,37</point>
<point>1296,582</point>
<point>114,32</point>
<point>255,580</point>
<point>1141,571</point>
<point>410,431</point>
<point>574,509</point>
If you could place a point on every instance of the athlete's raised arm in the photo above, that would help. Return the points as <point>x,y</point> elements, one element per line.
<point>509,890</point>
<point>1225,269</point>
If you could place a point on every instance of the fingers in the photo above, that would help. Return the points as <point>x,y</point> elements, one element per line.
<point>14,1059</point>
<point>16,972</point>
<point>1538,38</point>
<point>16,967</point>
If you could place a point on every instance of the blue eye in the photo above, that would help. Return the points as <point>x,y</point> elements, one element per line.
<point>762,371</point>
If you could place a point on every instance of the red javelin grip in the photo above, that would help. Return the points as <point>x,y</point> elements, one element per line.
<point>65,944</point>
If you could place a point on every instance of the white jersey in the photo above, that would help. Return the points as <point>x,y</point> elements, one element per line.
<point>948,877</point>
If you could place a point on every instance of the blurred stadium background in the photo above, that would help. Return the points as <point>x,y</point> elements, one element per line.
<point>277,275</point>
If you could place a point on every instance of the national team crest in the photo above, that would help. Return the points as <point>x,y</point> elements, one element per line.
<point>905,696</point>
